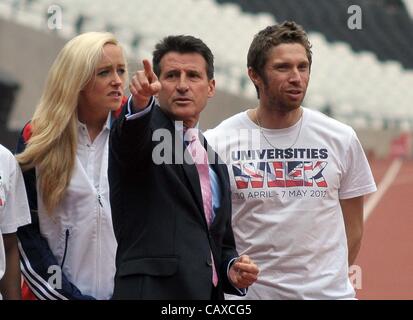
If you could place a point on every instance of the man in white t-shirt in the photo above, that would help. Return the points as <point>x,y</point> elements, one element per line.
<point>297,177</point>
<point>14,212</point>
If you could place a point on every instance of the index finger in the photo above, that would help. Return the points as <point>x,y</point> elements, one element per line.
<point>247,267</point>
<point>147,67</point>
<point>244,258</point>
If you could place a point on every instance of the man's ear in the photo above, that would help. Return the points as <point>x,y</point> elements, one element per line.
<point>255,78</point>
<point>211,89</point>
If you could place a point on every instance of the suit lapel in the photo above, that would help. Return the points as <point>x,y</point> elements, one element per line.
<point>192,174</point>
<point>193,178</point>
<point>161,121</point>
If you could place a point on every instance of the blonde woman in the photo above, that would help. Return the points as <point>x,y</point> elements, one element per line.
<point>68,251</point>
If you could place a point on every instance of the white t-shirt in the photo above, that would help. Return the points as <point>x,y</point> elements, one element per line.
<point>14,209</point>
<point>286,186</point>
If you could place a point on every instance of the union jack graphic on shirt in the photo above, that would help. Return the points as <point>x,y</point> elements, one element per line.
<point>280,174</point>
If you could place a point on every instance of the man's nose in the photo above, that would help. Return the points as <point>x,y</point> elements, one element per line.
<point>182,83</point>
<point>294,75</point>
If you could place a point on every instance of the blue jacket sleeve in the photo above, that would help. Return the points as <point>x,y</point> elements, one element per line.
<point>39,266</point>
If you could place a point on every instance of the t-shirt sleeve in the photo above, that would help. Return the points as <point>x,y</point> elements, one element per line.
<point>15,211</point>
<point>357,179</point>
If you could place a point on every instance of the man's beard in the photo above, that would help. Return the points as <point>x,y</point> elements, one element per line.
<point>278,103</point>
<point>281,105</point>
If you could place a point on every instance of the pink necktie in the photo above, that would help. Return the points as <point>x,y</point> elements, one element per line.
<point>200,157</point>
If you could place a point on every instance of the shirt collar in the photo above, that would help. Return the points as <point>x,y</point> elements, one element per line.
<point>180,129</point>
<point>81,125</point>
<point>179,126</point>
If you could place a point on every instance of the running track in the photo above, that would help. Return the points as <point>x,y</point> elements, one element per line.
<point>386,255</point>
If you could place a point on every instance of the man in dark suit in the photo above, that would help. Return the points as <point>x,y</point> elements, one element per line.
<point>168,247</point>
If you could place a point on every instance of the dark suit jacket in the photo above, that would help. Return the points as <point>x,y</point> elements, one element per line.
<point>164,243</point>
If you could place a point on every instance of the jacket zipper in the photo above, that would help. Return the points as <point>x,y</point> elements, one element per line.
<point>64,253</point>
<point>100,207</point>
<point>100,201</point>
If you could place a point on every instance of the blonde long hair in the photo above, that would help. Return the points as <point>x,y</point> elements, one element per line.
<point>53,142</point>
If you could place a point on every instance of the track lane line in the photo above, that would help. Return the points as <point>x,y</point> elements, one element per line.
<point>384,184</point>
